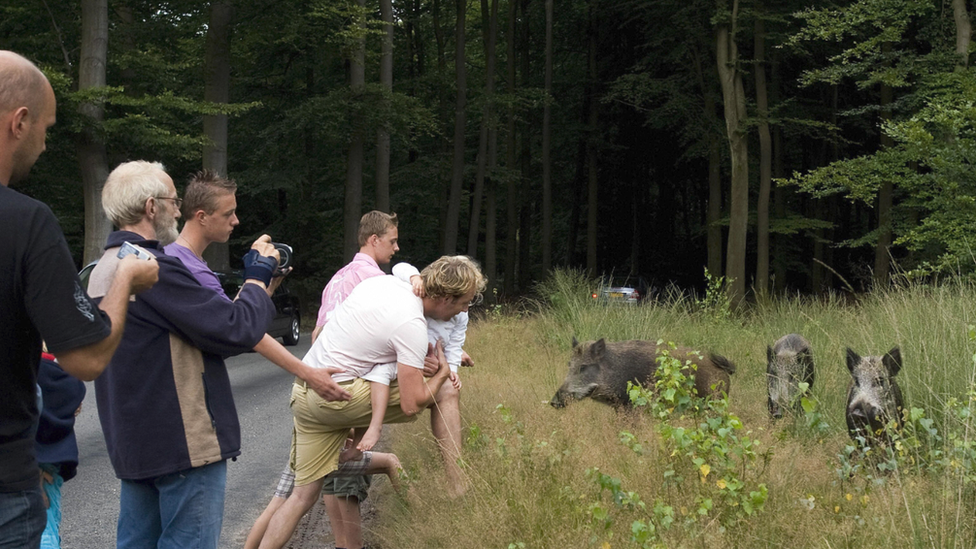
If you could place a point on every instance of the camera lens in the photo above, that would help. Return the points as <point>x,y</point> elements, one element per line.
<point>284,255</point>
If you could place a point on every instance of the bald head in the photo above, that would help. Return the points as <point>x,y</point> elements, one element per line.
<point>22,84</point>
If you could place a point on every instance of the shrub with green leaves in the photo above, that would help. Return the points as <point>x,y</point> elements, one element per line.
<point>706,444</point>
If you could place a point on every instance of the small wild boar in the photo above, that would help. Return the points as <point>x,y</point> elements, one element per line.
<point>601,370</point>
<point>789,362</point>
<point>873,398</point>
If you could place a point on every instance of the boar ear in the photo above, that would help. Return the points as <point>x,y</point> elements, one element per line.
<point>852,359</point>
<point>598,348</point>
<point>892,361</point>
<point>769,354</point>
<point>575,343</point>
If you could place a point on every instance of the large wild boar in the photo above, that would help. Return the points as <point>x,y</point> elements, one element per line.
<point>601,370</point>
<point>789,362</point>
<point>874,397</point>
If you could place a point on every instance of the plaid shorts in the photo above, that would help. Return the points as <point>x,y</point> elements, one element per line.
<point>286,483</point>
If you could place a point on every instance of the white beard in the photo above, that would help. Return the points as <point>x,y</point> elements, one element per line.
<point>166,232</point>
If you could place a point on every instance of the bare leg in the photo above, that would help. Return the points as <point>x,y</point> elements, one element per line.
<point>389,465</point>
<point>253,540</point>
<point>284,521</point>
<point>351,523</point>
<point>339,525</point>
<point>445,423</point>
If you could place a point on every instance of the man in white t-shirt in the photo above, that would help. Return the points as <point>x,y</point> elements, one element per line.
<point>381,321</point>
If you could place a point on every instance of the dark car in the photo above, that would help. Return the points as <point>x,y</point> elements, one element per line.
<point>621,289</point>
<point>287,320</point>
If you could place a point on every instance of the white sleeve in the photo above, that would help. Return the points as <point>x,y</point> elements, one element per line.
<point>404,271</point>
<point>410,343</point>
<point>455,340</point>
<point>381,373</point>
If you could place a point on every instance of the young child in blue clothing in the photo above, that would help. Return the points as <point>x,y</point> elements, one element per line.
<point>55,443</point>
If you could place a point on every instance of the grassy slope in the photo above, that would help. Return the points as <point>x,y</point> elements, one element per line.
<point>527,461</point>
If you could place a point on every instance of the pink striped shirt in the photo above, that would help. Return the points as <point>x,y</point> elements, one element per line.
<point>337,290</point>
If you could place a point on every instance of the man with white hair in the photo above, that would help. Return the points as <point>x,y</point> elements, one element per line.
<point>40,297</point>
<point>166,406</point>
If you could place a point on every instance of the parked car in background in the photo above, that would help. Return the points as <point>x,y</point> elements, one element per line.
<point>621,289</point>
<point>287,321</point>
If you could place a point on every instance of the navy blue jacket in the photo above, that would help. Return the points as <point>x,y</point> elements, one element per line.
<point>55,442</point>
<point>165,400</point>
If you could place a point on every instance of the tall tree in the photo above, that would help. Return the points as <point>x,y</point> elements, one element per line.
<point>546,157</point>
<point>765,161</point>
<point>383,133</point>
<point>592,173</point>
<point>490,17</point>
<point>216,74</point>
<point>511,203</point>
<point>733,96</point>
<point>457,167</point>
<point>91,150</point>
<point>354,159</point>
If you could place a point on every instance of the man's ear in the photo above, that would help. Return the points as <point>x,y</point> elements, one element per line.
<point>20,122</point>
<point>150,207</point>
<point>199,215</point>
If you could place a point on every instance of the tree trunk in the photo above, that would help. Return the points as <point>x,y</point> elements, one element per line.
<point>591,152</point>
<point>511,206</point>
<point>528,206</point>
<point>352,209</point>
<point>882,257</point>
<point>714,230</point>
<point>486,124</point>
<point>727,57</point>
<point>964,33</point>
<point>91,151</point>
<point>546,158</point>
<point>779,194</point>
<point>457,169</point>
<point>382,133</point>
<point>765,163</point>
<point>216,89</point>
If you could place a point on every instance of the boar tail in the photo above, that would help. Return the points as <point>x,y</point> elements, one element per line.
<point>723,363</point>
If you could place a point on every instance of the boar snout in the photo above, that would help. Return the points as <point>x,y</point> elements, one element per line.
<point>557,401</point>
<point>775,410</point>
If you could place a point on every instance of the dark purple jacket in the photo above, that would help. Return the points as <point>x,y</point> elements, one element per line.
<point>165,400</point>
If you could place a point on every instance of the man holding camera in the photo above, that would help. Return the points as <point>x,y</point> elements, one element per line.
<point>165,404</point>
<point>210,215</point>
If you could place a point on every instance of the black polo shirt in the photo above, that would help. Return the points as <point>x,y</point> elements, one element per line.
<point>40,297</point>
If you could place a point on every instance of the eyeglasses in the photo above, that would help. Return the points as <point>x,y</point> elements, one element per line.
<point>176,200</point>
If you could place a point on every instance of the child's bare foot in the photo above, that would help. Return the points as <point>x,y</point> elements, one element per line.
<point>350,454</point>
<point>369,440</point>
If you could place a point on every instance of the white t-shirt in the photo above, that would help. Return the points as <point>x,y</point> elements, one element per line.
<point>380,323</point>
<point>452,332</point>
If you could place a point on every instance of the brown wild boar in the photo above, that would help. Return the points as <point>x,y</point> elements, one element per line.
<point>601,370</point>
<point>789,362</point>
<point>873,397</point>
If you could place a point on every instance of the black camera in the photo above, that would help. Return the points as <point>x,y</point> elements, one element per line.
<point>284,256</point>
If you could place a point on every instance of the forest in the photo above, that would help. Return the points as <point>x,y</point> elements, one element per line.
<point>789,146</point>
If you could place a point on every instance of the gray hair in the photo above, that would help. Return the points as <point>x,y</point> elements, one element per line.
<point>127,188</point>
<point>21,84</point>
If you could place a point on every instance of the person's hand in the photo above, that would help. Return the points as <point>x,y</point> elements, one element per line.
<point>320,380</point>
<point>431,365</point>
<point>466,359</point>
<point>49,479</point>
<point>455,380</point>
<point>418,285</point>
<point>276,281</point>
<point>263,246</point>
<point>140,273</point>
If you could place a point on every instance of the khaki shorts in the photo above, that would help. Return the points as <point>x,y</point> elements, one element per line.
<point>321,426</point>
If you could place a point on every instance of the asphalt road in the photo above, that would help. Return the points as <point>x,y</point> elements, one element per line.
<point>90,503</point>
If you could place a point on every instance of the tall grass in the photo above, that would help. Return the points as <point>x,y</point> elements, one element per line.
<point>527,462</point>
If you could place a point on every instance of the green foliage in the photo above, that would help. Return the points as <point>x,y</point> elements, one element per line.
<point>704,442</point>
<point>716,304</point>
